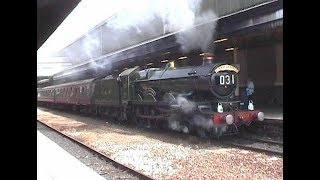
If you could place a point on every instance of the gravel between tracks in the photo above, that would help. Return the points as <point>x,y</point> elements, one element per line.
<point>164,156</point>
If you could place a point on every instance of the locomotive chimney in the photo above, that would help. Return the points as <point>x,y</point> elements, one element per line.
<point>207,58</point>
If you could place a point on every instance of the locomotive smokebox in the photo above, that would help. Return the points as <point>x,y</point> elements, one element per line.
<point>207,59</point>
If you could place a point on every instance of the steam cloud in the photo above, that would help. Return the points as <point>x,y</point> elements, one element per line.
<point>143,20</point>
<point>200,36</point>
<point>185,105</point>
<point>188,107</point>
<point>148,17</point>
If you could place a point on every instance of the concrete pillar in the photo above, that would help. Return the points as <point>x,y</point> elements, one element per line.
<point>279,64</point>
<point>243,73</point>
<point>235,60</point>
<point>235,55</point>
<point>244,68</point>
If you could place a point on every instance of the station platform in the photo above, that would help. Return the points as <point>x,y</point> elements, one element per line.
<point>53,162</point>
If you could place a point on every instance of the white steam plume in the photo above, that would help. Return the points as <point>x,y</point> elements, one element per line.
<point>153,18</point>
<point>141,20</point>
<point>91,45</point>
<point>185,105</point>
<point>176,123</point>
<point>92,49</point>
<point>200,36</point>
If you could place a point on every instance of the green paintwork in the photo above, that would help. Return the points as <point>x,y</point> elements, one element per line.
<point>106,91</point>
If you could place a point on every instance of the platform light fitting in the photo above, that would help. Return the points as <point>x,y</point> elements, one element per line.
<point>183,57</point>
<point>171,63</point>
<point>230,49</point>
<point>220,40</point>
<point>202,54</point>
<point>149,64</point>
<point>164,61</point>
<point>166,52</point>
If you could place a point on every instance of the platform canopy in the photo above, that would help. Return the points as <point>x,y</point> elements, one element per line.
<point>85,16</point>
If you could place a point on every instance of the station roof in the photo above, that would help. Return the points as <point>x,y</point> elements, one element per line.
<point>50,15</point>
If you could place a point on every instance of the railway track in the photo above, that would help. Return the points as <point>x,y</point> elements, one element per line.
<point>263,140</point>
<point>116,164</point>
<point>256,144</point>
<point>243,142</point>
<point>273,127</point>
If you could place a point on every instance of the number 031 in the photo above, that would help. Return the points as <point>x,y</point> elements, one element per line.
<point>227,79</point>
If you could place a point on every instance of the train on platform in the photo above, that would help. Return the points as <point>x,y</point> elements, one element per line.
<point>198,99</point>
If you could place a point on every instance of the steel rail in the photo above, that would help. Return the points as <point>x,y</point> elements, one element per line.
<point>138,174</point>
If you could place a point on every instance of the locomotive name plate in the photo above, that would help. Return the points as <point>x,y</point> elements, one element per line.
<point>226,68</point>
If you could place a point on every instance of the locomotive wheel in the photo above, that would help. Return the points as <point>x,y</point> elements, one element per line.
<point>168,97</point>
<point>139,98</point>
<point>76,108</point>
<point>136,118</point>
<point>201,132</point>
<point>96,111</point>
<point>150,97</point>
<point>152,122</point>
<point>124,115</point>
<point>146,121</point>
<point>186,127</point>
<point>101,112</point>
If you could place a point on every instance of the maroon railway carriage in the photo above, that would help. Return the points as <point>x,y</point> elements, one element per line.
<point>74,94</point>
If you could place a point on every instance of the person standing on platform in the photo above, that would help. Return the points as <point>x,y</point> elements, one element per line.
<point>249,90</point>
